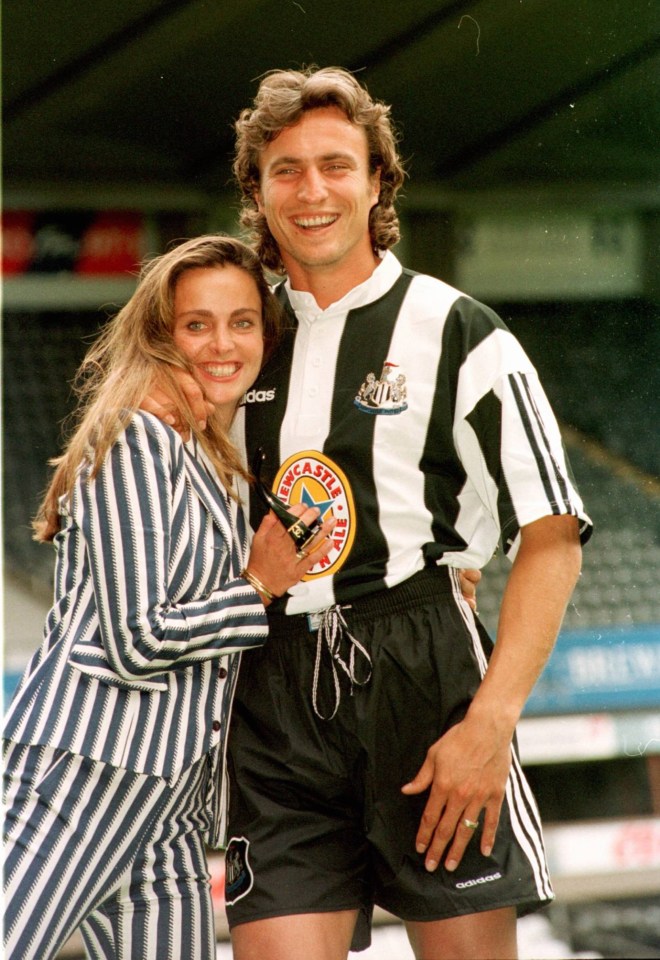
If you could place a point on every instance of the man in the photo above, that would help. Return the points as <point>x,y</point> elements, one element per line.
<point>372,757</point>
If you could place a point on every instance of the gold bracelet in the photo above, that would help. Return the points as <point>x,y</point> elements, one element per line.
<point>257,584</point>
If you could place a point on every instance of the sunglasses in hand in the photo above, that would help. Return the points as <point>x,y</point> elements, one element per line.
<point>301,533</point>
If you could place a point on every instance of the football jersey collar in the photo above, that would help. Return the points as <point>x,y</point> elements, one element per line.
<point>385,275</point>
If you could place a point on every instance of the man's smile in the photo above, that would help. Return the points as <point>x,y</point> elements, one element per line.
<point>319,220</point>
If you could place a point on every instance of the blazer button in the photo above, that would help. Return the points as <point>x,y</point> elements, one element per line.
<point>222,673</point>
<point>216,725</point>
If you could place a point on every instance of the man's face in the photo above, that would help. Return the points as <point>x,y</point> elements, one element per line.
<point>316,193</point>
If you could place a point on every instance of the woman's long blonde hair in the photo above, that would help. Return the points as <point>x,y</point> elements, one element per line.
<point>134,351</point>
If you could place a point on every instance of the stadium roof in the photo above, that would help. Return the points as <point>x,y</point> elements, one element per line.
<point>487,93</point>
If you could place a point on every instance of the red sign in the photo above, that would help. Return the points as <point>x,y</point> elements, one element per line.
<point>638,845</point>
<point>80,242</point>
<point>17,241</point>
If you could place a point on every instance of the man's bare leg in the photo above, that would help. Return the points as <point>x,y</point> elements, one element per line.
<point>490,935</point>
<point>306,936</point>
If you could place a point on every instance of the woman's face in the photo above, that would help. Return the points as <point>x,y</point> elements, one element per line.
<point>218,325</point>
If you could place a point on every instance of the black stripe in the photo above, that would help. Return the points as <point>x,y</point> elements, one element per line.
<point>559,477</point>
<point>531,438</point>
<point>486,421</point>
<point>262,420</point>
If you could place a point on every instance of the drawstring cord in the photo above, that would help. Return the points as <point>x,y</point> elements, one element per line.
<point>331,630</point>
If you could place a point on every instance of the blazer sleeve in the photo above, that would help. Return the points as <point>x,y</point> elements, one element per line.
<point>133,515</point>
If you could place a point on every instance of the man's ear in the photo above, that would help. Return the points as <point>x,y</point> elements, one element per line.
<point>375,183</point>
<point>257,199</point>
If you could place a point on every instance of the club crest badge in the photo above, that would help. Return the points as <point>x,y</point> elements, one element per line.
<point>238,873</point>
<point>384,396</point>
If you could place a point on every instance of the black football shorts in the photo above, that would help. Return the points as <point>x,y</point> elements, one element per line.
<point>317,820</point>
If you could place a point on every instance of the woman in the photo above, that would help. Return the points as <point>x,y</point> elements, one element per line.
<point>115,739</point>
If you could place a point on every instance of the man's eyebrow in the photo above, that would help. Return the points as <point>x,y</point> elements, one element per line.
<point>334,155</point>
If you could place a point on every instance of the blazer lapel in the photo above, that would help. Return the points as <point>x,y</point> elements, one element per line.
<point>226,512</point>
<point>208,488</point>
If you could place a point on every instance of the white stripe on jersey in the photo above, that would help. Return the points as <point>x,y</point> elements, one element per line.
<point>312,382</point>
<point>397,452</point>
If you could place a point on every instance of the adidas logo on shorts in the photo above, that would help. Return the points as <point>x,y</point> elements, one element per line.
<point>463,884</point>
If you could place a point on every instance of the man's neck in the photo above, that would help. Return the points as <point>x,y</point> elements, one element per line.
<point>330,283</point>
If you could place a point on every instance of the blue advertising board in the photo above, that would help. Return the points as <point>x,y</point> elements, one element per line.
<point>600,669</point>
<point>614,668</point>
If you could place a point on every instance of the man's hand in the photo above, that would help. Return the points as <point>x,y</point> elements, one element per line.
<point>467,768</point>
<point>469,580</point>
<point>163,406</point>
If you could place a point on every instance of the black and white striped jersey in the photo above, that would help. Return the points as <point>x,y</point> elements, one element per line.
<point>410,413</point>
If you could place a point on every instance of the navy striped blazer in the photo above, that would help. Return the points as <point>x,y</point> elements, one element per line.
<point>138,666</point>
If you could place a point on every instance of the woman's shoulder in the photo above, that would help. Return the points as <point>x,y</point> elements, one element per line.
<point>143,422</point>
<point>145,429</point>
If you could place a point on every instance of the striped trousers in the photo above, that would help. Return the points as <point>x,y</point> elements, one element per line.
<point>119,854</point>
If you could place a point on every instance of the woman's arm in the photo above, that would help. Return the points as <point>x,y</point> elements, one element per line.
<point>144,551</point>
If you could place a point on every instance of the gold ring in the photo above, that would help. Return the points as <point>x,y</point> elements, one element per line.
<point>302,554</point>
<point>470,824</point>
